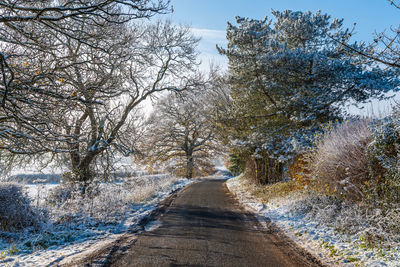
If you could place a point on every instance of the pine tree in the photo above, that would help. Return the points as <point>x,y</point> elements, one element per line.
<point>288,76</point>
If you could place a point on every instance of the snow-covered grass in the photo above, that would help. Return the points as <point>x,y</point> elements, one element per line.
<point>339,233</point>
<point>79,223</point>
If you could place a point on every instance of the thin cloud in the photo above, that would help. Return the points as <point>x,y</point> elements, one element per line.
<point>207,46</point>
<point>209,34</point>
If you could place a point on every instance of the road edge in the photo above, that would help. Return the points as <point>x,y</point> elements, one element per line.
<point>267,226</point>
<point>107,254</point>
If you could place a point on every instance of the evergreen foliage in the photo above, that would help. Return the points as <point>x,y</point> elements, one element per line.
<point>236,164</point>
<point>288,76</point>
<point>384,162</point>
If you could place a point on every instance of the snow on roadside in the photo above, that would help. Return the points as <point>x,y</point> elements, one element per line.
<point>330,246</point>
<point>88,235</point>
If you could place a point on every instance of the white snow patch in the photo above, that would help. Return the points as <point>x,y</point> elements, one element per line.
<point>152,226</point>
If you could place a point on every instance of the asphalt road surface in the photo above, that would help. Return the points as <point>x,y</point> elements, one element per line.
<point>206,226</point>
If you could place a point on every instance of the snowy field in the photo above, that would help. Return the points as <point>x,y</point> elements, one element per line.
<point>318,232</point>
<point>81,225</point>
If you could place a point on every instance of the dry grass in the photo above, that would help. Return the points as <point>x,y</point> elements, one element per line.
<point>106,202</point>
<point>143,189</point>
<point>268,192</point>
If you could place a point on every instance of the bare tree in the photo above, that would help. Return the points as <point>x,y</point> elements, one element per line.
<point>54,11</point>
<point>181,134</point>
<point>32,33</point>
<point>75,74</point>
<point>110,86</point>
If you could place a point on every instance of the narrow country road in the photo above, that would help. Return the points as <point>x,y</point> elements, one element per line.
<point>205,226</point>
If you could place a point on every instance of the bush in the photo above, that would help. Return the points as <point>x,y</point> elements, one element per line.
<point>61,193</point>
<point>339,164</point>
<point>94,202</point>
<point>16,212</point>
<point>384,161</point>
<point>144,187</point>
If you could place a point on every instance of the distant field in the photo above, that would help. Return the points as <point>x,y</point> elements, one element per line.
<point>41,178</point>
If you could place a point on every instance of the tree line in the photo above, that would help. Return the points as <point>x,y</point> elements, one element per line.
<point>75,74</point>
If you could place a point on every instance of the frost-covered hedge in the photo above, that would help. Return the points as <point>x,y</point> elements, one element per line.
<point>360,160</point>
<point>339,164</point>
<point>16,211</point>
<point>384,159</point>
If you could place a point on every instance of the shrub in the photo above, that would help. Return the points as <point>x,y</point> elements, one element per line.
<point>384,161</point>
<point>143,188</point>
<point>16,212</point>
<point>62,193</point>
<point>94,202</point>
<point>339,164</point>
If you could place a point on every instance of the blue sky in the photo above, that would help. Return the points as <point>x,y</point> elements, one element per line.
<point>208,18</point>
<point>370,15</point>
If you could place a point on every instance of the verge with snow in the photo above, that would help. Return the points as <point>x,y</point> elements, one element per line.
<point>83,227</point>
<point>336,234</point>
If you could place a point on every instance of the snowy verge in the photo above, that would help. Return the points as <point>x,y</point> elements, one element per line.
<point>294,216</point>
<point>84,237</point>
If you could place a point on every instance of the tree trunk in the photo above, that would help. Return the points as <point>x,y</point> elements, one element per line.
<point>82,172</point>
<point>189,166</point>
<point>85,177</point>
